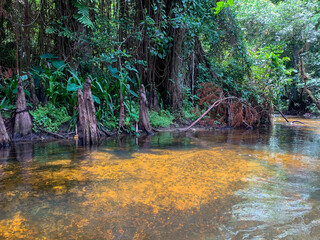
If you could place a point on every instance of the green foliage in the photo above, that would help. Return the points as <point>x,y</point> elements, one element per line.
<point>189,111</point>
<point>132,116</point>
<point>49,118</point>
<point>289,24</point>
<point>163,118</point>
<point>53,74</point>
<point>241,46</point>
<point>273,31</point>
<point>160,42</point>
<point>8,107</point>
<point>62,82</point>
<point>83,14</point>
<point>313,109</point>
<point>270,72</point>
<point>221,5</point>
<point>8,89</point>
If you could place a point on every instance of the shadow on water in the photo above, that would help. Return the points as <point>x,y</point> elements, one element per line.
<point>223,184</point>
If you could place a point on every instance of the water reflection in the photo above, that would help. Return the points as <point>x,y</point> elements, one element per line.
<point>224,184</point>
<point>144,142</point>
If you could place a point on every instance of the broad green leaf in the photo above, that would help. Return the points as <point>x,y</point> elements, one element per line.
<point>96,99</point>
<point>133,93</point>
<point>72,87</point>
<point>48,55</point>
<point>58,64</point>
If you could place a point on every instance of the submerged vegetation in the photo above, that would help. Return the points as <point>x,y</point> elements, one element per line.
<point>260,53</point>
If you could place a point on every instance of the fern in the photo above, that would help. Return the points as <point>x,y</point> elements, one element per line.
<point>83,15</point>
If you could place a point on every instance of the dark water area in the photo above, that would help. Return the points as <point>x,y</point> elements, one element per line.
<point>223,184</point>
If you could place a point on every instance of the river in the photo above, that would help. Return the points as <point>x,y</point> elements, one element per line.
<point>222,184</point>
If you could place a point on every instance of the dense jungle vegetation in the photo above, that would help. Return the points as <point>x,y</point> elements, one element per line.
<point>252,56</point>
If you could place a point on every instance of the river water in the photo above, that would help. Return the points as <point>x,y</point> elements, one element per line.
<point>223,184</point>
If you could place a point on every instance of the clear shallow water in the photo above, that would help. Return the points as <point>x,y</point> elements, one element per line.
<point>226,184</point>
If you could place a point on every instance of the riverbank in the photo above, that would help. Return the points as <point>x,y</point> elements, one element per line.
<point>63,134</point>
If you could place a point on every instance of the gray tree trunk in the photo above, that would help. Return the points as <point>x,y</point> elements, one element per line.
<point>144,123</point>
<point>22,124</point>
<point>4,137</point>
<point>88,127</point>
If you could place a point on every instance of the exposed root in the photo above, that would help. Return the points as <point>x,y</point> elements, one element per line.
<point>53,134</point>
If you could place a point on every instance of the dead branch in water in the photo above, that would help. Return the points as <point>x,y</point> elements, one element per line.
<point>229,110</point>
<point>285,118</point>
<point>297,121</point>
<point>206,112</point>
<point>277,109</point>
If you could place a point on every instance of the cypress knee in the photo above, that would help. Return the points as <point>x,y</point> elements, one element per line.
<point>144,123</point>
<point>4,137</point>
<point>22,124</point>
<point>88,129</point>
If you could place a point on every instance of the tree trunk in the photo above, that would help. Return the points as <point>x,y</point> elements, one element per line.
<point>88,128</point>
<point>23,124</point>
<point>33,97</point>
<point>26,35</point>
<point>4,137</point>
<point>154,105</point>
<point>144,123</point>
<point>42,93</point>
<point>176,71</point>
<point>192,78</point>
<point>42,37</point>
<point>122,113</point>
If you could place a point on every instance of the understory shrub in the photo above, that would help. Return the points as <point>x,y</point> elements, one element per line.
<point>189,111</point>
<point>163,118</point>
<point>49,118</point>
